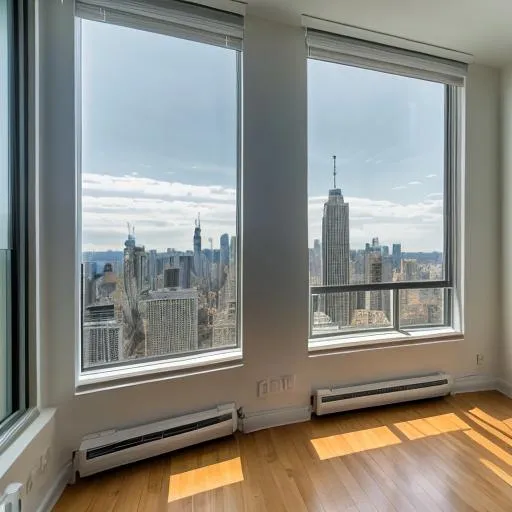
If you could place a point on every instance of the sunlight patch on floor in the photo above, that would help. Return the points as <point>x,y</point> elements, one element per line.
<point>506,477</point>
<point>490,446</point>
<point>431,426</point>
<point>354,442</point>
<point>492,430</point>
<point>213,476</point>
<point>491,420</point>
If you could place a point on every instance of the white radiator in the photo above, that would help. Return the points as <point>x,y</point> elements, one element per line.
<point>10,501</point>
<point>359,396</point>
<point>113,448</point>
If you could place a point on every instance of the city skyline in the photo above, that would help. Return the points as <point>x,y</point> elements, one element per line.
<point>150,304</point>
<point>333,262</point>
<point>155,156</point>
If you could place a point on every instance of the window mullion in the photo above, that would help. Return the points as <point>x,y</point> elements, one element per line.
<point>396,309</point>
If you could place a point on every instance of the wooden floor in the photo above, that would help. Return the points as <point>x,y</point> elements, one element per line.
<point>447,454</point>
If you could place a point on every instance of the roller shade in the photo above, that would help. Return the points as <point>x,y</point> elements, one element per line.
<point>169,17</point>
<point>389,59</point>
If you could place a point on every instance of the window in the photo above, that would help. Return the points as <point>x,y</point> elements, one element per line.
<point>382,157</point>
<point>159,159</point>
<point>13,368</point>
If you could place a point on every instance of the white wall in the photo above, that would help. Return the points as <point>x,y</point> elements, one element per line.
<point>506,268</point>
<point>24,455</point>
<point>275,293</point>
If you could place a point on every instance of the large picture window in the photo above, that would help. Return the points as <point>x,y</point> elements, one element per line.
<point>382,149</point>
<point>13,232</point>
<point>5,215</point>
<point>159,161</point>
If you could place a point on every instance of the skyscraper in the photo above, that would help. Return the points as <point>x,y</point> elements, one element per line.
<point>171,277</point>
<point>197,248</point>
<point>186,262</point>
<point>397,256</point>
<point>170,321</point>
<point>152,268</point>
<point>336,253</point>
<point>224,326</point>
<point>101,342</point>
<point>132,328</point>
<point>377,270</point>
<point>373,274</point>
<point>224,258</point>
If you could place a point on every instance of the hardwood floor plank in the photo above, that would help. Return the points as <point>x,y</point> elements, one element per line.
<point>452,454</point>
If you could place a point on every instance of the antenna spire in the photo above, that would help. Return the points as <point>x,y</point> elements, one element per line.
<point>334,168</point>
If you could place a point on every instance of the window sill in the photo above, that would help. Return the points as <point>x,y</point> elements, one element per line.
<point>351,343</point>
<point>20,423</point>
<point>139,373</point>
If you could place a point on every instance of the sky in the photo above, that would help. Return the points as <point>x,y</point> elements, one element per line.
<point>159,145</point>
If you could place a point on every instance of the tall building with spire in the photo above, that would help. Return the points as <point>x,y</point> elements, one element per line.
<point>134,265</point>
<point>336,253</point>
<point>197,248</point>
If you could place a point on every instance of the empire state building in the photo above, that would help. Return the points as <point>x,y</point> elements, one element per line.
<point>335,253</point>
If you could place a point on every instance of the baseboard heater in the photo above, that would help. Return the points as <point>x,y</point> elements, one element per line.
<point>326,401</point>
<point>113,448</point>
<point>10,500</point>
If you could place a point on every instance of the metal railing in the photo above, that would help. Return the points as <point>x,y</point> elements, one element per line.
<point>395,323</point>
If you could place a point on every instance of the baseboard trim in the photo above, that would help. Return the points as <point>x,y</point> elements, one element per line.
<point>275,418</point>
<point>470,383</point>
<point>504,387</point>
<point>56,490</point>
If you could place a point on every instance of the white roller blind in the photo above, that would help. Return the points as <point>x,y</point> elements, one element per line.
<point>169,17</point>
<point>389,59</point>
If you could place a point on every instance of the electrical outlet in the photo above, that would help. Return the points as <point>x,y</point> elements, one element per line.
<point>262,388</point>
<point>276,385</point>
<point>288,382</point>
<point>479,359</point>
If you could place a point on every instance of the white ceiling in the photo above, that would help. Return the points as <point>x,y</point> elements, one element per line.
<point>480,27</point>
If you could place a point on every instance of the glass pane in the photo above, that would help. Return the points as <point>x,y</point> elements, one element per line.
<point>5,334</point>
<point>5,253</point>
<point>159,195</point>
<point>375,177</point>
<point>422,307</point>
<point>366,310</point>
<point>4,127</point>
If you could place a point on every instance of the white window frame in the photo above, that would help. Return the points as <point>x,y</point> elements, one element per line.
<point>344,50</point>
<point>173,18</point>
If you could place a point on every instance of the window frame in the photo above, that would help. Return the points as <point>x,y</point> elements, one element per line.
<point>452,165</point>
<point>18,100</point>
<point>181,362</point>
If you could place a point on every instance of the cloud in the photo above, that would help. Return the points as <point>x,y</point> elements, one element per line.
<point>430,175</point>
<point>163,213</point>
<point>435,194</point>
<point>148,187</point>
<point>418,226</point>
<point>399,187</point>
<point>414,183</point>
